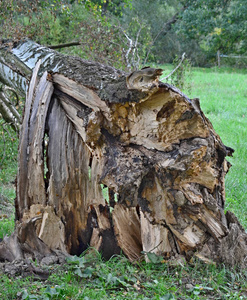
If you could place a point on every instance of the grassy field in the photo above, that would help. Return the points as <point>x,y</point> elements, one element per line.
<point>223,97</point>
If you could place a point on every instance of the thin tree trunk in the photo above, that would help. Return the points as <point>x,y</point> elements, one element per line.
<point>86,134</point>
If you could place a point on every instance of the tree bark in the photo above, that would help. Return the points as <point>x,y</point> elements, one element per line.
<point>136,169</point>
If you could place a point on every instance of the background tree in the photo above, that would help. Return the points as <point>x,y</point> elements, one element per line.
<point>215,25</point>
<point>105,29</point>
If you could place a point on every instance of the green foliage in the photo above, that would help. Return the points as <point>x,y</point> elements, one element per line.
<point>101,36</point>
<point>51,292</point>
<point>8,148</point>
<point>216,25</point>
<point>159,30</point>
<point>8,163</point>
<point>8,168</point>
<point>114,7</point>
<point>60,21</point>
<point>153,258</point>
<point>152,16</point>
<point>101,40</point>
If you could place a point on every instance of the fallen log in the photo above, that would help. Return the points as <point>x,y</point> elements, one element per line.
<point>117,162</point>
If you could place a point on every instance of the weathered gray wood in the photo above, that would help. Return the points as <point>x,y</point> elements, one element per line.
<point>37,124</point>
<point>31,160</point>
<point>24,141</point>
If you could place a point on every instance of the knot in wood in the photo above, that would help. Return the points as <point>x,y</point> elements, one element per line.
<point>144,79</point>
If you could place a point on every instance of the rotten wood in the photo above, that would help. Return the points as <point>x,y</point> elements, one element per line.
<point>152,150</point>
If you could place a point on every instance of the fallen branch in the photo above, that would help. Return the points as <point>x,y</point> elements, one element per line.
<point>59,46</point>
<point>8,110</point>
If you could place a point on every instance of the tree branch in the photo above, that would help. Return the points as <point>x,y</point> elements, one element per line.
<point>173,71</point>
<point>59,46</point>
<point>9,112</point>
<point>132,48</point>
<point>7,88</point>
<point>165,29</point>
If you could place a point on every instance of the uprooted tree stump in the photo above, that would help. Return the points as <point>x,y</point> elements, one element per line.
<point>119,166</point>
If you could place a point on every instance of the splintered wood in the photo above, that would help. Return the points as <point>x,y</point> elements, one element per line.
<point>134,173</point>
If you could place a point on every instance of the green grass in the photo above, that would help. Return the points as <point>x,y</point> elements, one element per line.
<point>223,97</point>
<point>8,168</point>
<point>7,226</point>
<point>89,277</point>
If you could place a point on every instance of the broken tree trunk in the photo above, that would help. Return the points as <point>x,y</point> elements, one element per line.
<point>119,165</point>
